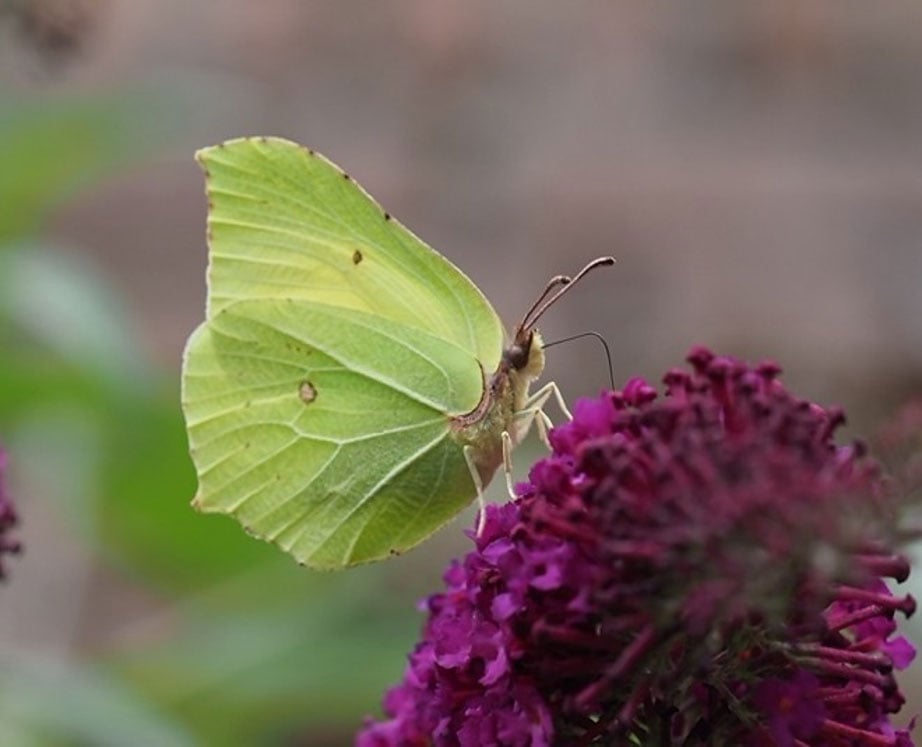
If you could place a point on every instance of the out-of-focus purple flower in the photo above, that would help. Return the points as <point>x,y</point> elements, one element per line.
<point>792,708</point>
<point>698,569</point>
<point>8,519</point>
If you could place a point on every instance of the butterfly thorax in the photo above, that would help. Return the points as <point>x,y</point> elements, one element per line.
<point>504,395</point>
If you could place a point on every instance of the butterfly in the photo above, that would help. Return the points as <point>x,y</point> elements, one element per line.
<point>350,389</point>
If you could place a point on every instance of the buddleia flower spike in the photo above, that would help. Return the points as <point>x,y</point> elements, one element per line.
<point>706,566</point>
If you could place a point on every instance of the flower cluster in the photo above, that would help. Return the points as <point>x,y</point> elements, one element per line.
<point>701,568</point>
<point>8,519</point>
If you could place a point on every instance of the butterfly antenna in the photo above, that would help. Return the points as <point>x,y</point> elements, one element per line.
<point>597,336</point>
<point>551,285</point>
<point>544,303</point>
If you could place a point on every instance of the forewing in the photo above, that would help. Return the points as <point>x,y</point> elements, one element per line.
<point>284,222</point>
<point>326,430</point>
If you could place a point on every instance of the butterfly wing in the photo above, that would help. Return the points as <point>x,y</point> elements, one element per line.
<point>285,222</point>
<point>325,429</point>
<point>335,350</point>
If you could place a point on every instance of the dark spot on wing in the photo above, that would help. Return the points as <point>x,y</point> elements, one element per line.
<point>307,392</point>
<point>357,257</point>
<point>387,216</point>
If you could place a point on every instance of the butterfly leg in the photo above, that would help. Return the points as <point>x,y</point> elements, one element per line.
<point>507,464</point>
<point>478,485</point>
<point>533,412</point>
<point>543,424</point>
<point>525,418</point>
<point>538,399</point>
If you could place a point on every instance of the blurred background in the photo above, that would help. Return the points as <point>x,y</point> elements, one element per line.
<point>755,168</point>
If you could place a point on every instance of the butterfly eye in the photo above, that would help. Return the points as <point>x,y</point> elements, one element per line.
<point>517,354</point>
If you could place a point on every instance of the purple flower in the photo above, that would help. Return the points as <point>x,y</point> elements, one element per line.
<point>8,519</point>
<point>792,708</point>
<point>703,568</point>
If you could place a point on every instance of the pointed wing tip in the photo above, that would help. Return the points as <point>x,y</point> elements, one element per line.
<point>198,503</point>
<point>202,155</point>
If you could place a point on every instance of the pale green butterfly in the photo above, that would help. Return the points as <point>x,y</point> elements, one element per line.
<point>349,391</point>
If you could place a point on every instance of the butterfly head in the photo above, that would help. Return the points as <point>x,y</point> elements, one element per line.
<point>525,356</point>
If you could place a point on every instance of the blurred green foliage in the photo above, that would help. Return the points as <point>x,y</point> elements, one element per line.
<point>247,648</point>
<point>48,147</point>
